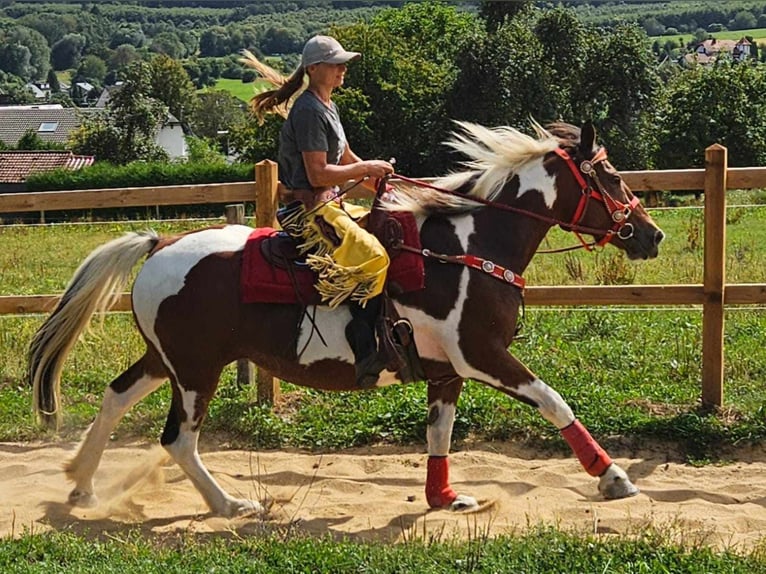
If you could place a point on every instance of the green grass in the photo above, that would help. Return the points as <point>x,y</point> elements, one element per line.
<point>541,550</point>
<point>240,89</point>
<point>629,374</point>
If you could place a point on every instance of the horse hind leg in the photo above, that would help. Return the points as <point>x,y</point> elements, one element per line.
<point>442,400</point>
<point>180,439</point>
<point>129,388</point>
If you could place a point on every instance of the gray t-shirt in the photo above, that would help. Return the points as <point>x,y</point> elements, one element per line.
<point>310,126</point>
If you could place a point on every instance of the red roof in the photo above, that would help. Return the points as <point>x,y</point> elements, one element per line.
<point>16,166</point>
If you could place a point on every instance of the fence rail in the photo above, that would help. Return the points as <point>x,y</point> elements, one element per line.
<point>713,294</point>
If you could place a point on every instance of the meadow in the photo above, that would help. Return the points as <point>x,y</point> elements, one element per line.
<point>239,89</point>
<point>758,35</point>
<point>632,375</point>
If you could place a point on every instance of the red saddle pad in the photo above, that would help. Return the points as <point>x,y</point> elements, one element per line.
<point>261,282</point>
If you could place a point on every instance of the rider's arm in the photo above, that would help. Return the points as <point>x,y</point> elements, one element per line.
<point>322,174</point>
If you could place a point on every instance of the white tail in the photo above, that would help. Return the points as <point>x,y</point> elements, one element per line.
<point>95,287</point>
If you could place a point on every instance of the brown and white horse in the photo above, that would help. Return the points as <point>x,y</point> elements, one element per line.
<point>492,216</point>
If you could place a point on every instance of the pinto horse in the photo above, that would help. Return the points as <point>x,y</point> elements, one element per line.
<point>479,229</point>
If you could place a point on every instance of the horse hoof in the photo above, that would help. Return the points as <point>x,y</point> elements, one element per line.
<point>83,499</point>
<point>464,503</point>
<point>243,507</point>
<point>615,484</point>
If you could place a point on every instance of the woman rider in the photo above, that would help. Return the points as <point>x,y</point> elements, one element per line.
<point>314,159</point>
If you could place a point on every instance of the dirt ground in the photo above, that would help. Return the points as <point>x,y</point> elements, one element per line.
<point>378,493</point>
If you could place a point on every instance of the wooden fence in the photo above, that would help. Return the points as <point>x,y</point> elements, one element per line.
<point>713,294</point>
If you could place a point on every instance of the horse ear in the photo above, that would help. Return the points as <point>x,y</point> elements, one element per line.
<point>587,139</point>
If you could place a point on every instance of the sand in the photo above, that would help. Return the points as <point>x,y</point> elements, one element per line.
<point>377,494</point>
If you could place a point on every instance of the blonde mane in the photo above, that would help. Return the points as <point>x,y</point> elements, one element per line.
<point>495,156</point>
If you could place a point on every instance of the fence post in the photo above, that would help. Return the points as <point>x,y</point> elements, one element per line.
<point>266,202</point>
<point>235,214</point>
<point>716,165</point>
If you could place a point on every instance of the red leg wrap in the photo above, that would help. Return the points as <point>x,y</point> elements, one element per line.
<point>438,491</point>
<point>593,458</point>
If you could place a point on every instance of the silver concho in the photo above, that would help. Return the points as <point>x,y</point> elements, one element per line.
<point>487,266</point>
<point>509,276</point>
<point>586,167</point>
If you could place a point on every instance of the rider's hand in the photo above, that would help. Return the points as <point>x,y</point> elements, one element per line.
<point>377,168</point>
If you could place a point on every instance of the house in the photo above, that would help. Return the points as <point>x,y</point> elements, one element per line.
<point>54,123</point>
<point>17,166</point>
<point>40,91</point>
<point>51,122</point>
<point>106,95</point>
<point>710,50</point>
<point>83,92</point>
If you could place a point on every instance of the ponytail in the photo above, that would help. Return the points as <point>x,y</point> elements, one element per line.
<point>276,100</point>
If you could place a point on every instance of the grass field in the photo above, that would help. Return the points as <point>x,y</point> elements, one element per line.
<point>631,375</point>
<point>240,89</point>
<point>758,35</point>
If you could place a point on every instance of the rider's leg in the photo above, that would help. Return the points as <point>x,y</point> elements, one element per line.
<point>360,333</point>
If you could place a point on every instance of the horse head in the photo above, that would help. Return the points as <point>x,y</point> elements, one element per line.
<point>594,199</point>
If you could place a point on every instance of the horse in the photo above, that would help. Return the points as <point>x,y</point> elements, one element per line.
<point>479,225</point>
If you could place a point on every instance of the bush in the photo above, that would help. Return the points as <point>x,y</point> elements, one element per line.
<point>138,174</point>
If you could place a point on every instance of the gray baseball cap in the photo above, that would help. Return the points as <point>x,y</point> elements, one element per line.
<point>326,49</point>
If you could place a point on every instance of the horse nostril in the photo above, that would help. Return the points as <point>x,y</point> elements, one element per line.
<point>658,237</point>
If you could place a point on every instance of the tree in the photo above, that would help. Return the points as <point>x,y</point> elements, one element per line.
<point>170,84</point>
<point>25,53</point>
<point>215,42</point>
<point>16,59</point>
<point>123,55</point>
<point>216,111</point>
<point>619,89</point>
<point>168,43</point>
<point>31,141</point>
<point>398,91</point>
<point>93,69</point>
<point>13,90</point>
<point>503,78</point>
<point>564,42</point>
<point>53,82</point>
<point>52,26</point>
<point>496,13</point>
<point>130,33</point>
<point>744,20</point>
<point>724,103</point>
<point>126,130</point>
<point>253,142</point>
<point>281,40</point>
<point>203,151</point>
<point>66,53</point>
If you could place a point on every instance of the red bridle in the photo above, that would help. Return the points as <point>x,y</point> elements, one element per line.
<point>619,212</point>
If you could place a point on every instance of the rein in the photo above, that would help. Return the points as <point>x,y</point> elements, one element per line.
<point>618,211</point>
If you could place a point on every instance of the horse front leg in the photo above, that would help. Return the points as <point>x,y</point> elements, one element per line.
<point>512,377</point>
<point>442,402</point>
<point>613,481</point>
